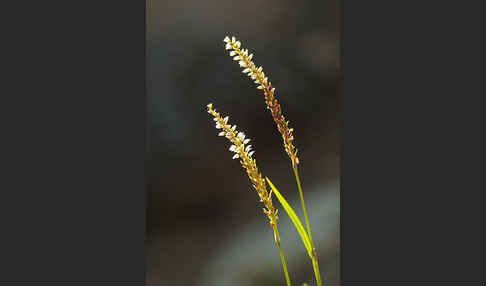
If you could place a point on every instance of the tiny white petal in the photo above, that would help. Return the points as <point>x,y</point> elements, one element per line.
<point>246,70</point>
<point>226,39</point>
<point>226,119</point>
<point>236,156</point>
<point>232,53</point>
<point>238,44</point>
<point>218,126</point>
<point>232,148</point>
<point>210,105</point>
<point>251,153</point>
<point>215,119</point>
<point>248,148</point>
<point>233,39</point>
<point>228,46</point>
<point>222,133</point>
<point>250,57</point>
<point>236,58</point>
<point>233,128</point>
<point>242,64</point>
<point>260,69</point>
<point>246,141</point>
<point>260,87</point>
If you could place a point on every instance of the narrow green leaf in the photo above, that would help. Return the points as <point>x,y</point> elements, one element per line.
<point>295,219</point>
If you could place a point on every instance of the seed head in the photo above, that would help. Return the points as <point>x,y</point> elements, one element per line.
<point>257,74</point>
<point>244,153</point>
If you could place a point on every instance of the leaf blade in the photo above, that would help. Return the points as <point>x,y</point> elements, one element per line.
<point>293,216</point>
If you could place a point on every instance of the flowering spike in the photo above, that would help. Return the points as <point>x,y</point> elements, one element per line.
<point>248,163</point>
<point>257,74</point>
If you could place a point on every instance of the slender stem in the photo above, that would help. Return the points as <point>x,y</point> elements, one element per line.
<point>296,172</point>
<point>284,264</point>
<point>315,264</point>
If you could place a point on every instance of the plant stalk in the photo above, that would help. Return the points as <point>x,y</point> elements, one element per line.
<point>315,264</point>
<point>284,264</point>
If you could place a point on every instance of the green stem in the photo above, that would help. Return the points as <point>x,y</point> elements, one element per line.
<point>315,264</point>
<point>284,264</point>
<point>296,172</point>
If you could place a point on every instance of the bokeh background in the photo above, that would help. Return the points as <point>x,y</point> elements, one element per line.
<point>205,225</point>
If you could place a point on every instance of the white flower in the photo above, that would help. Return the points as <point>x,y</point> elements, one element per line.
<point>226,39</point>
<point>232,148</point>
<point>222,133</point>
<point>246,141</point>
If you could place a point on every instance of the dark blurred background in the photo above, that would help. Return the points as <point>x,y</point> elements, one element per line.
<point>205,225</point>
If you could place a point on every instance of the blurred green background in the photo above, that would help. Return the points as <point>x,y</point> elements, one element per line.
<point>205,225</point>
